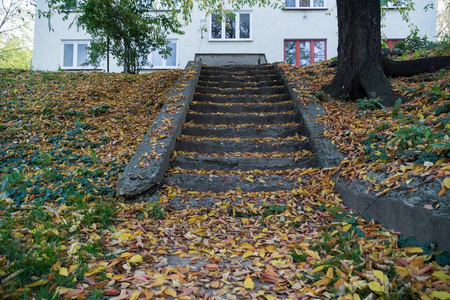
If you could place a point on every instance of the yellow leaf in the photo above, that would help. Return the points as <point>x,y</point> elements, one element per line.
<point>318,269</point>
<point>135,295</point>
<point>246,246</point>
<point>136,258</point>
<point>440,295</point>
<point>249,284</point>
<point>63,272</point>
<point>170,292</point>
<point>413,249</point>
<point>442,191</point>
<point>37,283</point>
<point>349,297</point>
<point>247,254</point>
<point>441,275</point>
<point>330,273</point>
<point>380,275</point>
<point>324,281</point>
<point>313,254</point>
<point>447,182</point>
<point>377,287</point>
<point>346,227</point>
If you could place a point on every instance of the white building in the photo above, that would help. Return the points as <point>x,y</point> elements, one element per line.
<point>304,32</point>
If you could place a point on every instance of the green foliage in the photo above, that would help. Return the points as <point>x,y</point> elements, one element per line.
<point>156,211</point>
<point>14,54</point>
<point>298,256</point>
<point>414,141</point>
<point>370,104</point>
<point>127,29</point>
<point>273,209</point>
<point>421,45</point>
<point>102,213</point>
<point>51,180</point>
<point>441,257</point>
<point>100,109</point>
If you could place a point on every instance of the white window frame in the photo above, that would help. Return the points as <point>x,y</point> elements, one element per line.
<point>237,38</point>
<point>164,60</point>
<point>311,5</point>
<point>75,44</point>
<point>395,4</point>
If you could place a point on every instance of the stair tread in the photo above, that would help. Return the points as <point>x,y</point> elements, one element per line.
<point>221,183</point>
<point>274,154</point>
<point>241,103</point>
<point>256,98</point>
<point>243,125</point>
<point>250,139</point>
<point>242,114</point>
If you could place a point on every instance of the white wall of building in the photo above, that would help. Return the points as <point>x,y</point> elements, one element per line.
<point>269,29</point>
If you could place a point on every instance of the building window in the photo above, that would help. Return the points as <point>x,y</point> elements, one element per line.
<point>392,42</point>
<point>158,60</point>
<point>75,55</point>
<point>304,3</point>
<point>394,4</point>
<point>236,27</point>
<point>304,52</point>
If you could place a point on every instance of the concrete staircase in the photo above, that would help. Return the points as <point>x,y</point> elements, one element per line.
<point>241,132</point>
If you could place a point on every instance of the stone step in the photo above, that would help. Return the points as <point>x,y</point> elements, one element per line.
<point>239,78</point>
<point>190,161</point>
<point>222,183</point>
<point>219,98</point>
<point>243,118</point>
<point>226,145</point>
<point>231,72</point>
<point>239,67</point>
<point>238,84</point>
<point>272,90</point>
<point>236,108</point>
<point>244,130</point>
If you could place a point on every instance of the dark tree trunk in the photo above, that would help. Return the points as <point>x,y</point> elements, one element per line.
<point>359,68</point>
<point>413,67</point>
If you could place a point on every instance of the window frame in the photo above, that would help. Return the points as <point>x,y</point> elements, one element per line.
<point>164,60</point>
<point>310,7</point>
<point>237,31</point>
<point>394,4</point>
<point>74,66</point>
<point>297,49</point>
<point>391,42</point>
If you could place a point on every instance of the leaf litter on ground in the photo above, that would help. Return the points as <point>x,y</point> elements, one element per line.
<point>67,136</point>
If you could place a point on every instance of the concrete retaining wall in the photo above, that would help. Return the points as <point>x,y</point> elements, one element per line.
<point>147,167</point>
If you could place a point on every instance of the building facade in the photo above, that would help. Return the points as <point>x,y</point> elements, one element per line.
<point>302,33</point>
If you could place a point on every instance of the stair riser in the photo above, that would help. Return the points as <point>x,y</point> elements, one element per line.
<point>231,78</point>
<point>241,98</point>
<point>243,163</point>
<point>241,119</point>
<point>240,68</point>
<point>205,183</point>
<point>207,72</point>
<point>210,146</point>
<point>234,84</point>
<point>230,132</point>
<point>237,109</point>
<point>236,91</point>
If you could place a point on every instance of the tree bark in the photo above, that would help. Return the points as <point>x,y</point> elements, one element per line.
<point>359,68</point>
<point>413,67</point>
